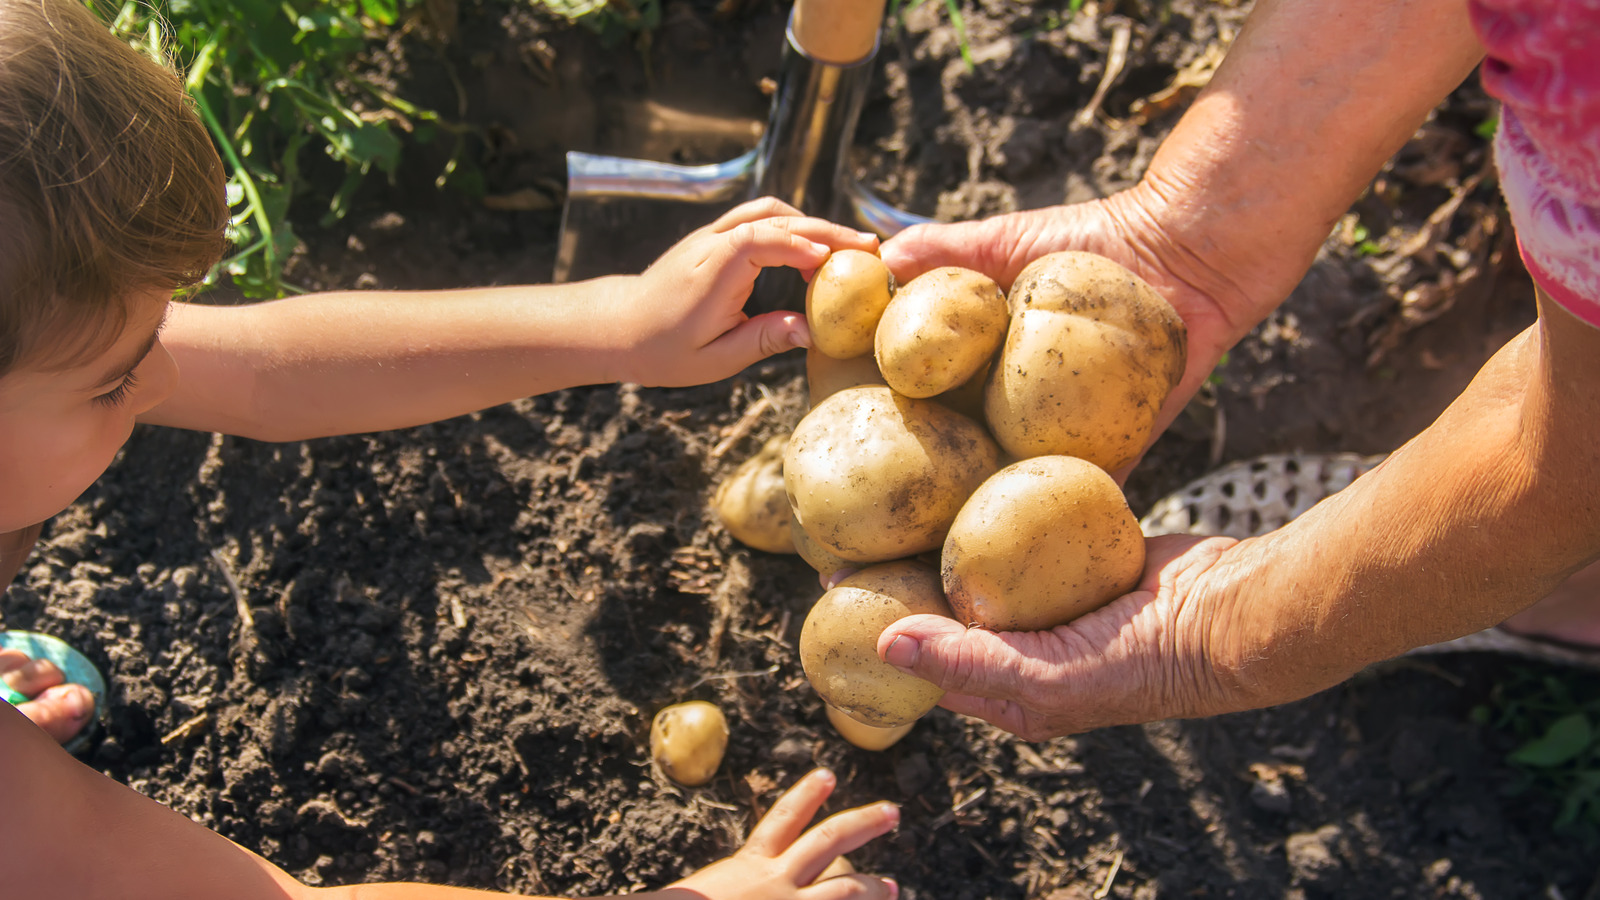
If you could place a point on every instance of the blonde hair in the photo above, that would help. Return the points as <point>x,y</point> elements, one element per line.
<point>110,187</point>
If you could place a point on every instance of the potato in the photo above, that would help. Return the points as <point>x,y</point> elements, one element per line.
<point>826,376</point>
<point>867,737</point>
<point>874,476</point>
<point>1091,354</point>
<point>816,555</point>
<point>1039,544</point>
<point>844,301</point>
<point>939,330</point>
<point>752,503</point>
<point>687,740</point>
<point>839,643</point>
<point>967,398</point>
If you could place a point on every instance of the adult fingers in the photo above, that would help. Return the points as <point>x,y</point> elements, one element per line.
<point>28,676</point>
<point>852,887</point>
<point>837,835</point>
<point>61,711</point>
<point>960,659</point>
<point>783,824</point>
<point>998,246</point>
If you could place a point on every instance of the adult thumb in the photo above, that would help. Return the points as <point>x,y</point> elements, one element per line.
<point>959,659</point>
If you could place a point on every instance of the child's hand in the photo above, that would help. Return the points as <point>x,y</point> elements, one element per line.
<point>683,319</point>
<point>780,862</point>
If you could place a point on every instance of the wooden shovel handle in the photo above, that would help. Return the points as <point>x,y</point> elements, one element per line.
<point>837,31</point>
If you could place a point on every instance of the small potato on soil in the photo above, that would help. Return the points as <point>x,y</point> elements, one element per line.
<point>1091,354</point>
<point>1041,543</point>
<point>939,330</point>
<point>844,301</point>
<point>751,502</point>
<point>867,737</point>
<point>874,476</point>
<point>687,740</point>
<point>839,643</point>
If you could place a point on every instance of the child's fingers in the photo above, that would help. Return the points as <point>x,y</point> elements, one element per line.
<point>837,835</point>
<point>755,339</point>
<point>782,824</point>
<point>852,887</point>
<point>833,235</point>
<point>751,211</point>
<point>768,243</point>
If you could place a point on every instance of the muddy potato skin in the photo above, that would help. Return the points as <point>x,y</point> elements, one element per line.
<point>874,476</point>
<point>939,330</point>
<point>752,503</point>
<point>844,301</point>
<point>1090,355</point>
<point>826,376</point>
<point>839,643</point>
<point>867,737</point>
<point>1041,543</point>
<point>687,740</point>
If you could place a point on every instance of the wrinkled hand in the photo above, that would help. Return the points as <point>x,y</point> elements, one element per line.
<point>782,859</point>
<point>684,316</point>
<point>1147,655</point>
<point>1220,300</point>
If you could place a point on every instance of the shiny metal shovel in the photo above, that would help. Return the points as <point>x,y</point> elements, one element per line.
<point>615,204</point>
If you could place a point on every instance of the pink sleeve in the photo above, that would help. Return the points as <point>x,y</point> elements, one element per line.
<point>1544,65</point>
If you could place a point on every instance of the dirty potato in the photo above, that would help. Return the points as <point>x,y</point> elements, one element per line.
<point>751,502</point>
<point>839,643</point>
<point>817,556</point>
<point>826,376</point>
<point>939,330</point>
<point>874,476</point>
<point>846,297</point>
<point>1039,544</point>
<point>867,737</point>
<point>687,740</point>
<point>1091,353</point>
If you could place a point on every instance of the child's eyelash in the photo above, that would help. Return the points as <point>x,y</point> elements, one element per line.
<point>118,394</point>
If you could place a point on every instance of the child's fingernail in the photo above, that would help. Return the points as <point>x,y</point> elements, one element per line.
<point>823,773</point>
<point>894,889</point>
<point>891,811</point>
<point>823,249</point>
<point>903,652</point>
<point>78,704</point>
<point>867,235</point>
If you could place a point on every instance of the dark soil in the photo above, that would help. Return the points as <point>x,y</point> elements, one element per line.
<point>434,654</point>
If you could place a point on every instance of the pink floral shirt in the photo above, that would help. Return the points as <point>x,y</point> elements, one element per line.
<point>1544,65</point>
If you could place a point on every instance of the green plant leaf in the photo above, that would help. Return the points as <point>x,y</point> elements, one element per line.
<point>1567,737</point>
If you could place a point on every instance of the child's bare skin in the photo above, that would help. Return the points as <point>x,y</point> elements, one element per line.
<point>345,363</point>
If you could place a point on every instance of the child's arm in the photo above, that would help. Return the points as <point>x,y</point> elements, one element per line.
<point>68,831</point>
<point>342,363</point>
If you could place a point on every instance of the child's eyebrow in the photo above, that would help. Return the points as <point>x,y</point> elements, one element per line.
<point>117,373</point>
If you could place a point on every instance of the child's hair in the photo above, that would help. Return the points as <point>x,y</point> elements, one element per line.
<point>110,187</point>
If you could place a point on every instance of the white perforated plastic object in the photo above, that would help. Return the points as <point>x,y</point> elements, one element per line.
<point>1254,496</point>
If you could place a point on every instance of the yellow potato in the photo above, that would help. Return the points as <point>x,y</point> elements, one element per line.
<point>687,740</point>
<point>939,330</point>
<point>816,555</point>
<point>1039,544</point>
<point>874,476</point>
<point>1091,354</point>
<point>867,737</point>
<point>844,301</point>
<point>839,643</point>
<point>826,376</point>
<point>752,503</point>
<point>967,398</point>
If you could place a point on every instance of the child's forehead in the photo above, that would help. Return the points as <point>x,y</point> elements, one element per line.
<point>80,347</point>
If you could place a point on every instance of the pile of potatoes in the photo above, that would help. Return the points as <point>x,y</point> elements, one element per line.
<point>956,459</point>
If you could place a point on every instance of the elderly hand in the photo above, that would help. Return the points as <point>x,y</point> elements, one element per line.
<point>1145,656</point>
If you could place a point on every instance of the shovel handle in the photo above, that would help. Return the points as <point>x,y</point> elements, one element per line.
<point>840,32</point>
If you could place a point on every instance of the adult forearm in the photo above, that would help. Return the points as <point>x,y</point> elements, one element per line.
<point>1311,100</point>
<point>1481,515</point>
<point>342,363</point>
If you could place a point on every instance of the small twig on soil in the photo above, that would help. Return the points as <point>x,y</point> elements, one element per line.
<point>403,786</point>
<point>728,676</point>
<point>735,583</point>
<point>1121,35</point>
<point>742,428</point>
<point>1105,889</point>
<point>457,614</point>
<point>243,606</point>
<point>187,728</point>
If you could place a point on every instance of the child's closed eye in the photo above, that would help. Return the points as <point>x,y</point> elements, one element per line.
<point>119,394</point>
